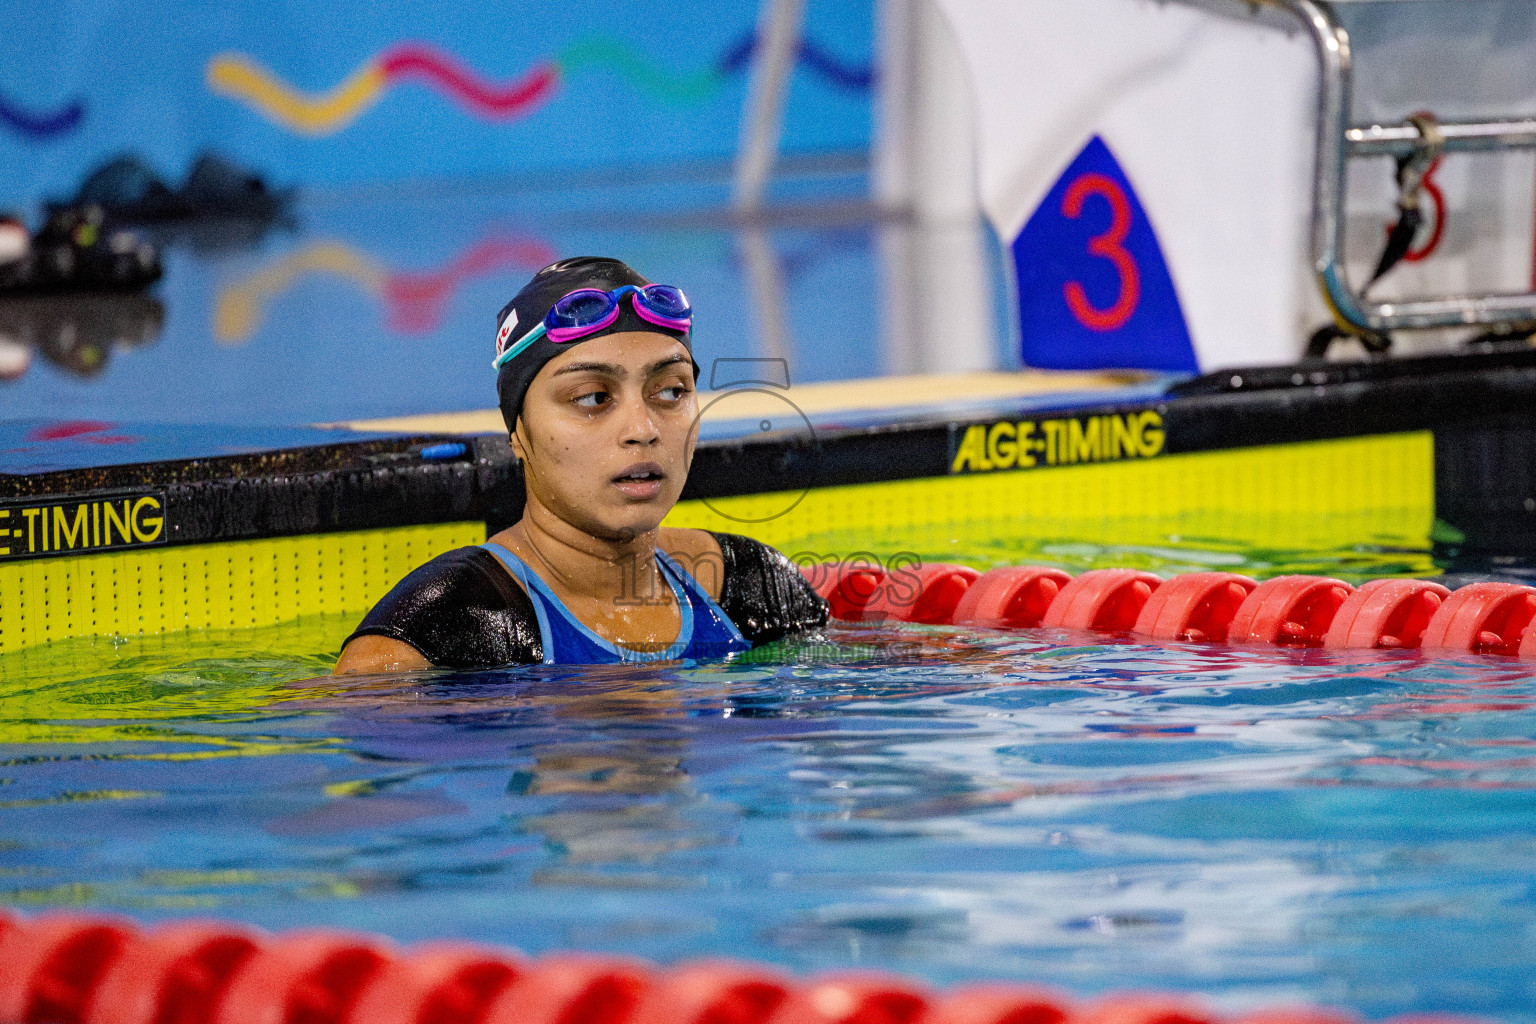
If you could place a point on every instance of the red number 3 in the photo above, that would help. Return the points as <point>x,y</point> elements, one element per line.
<point>1110,246</point>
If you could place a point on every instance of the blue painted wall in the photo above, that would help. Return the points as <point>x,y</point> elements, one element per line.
<point>609,83</point>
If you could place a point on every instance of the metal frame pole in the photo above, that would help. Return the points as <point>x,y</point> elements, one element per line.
<point>778,39</point>
<point>1337,140</point>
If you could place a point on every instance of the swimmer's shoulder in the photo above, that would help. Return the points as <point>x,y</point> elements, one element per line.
<point>459,610</point>
<point>699,552</point>
<point>760,589</point>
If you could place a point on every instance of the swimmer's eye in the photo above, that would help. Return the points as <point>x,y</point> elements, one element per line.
<point>674,393</point>
<point>592,399</point>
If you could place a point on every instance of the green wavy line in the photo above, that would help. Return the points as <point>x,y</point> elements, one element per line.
<point>599,51</point>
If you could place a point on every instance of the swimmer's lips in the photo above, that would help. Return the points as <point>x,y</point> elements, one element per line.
<point>642,481</point>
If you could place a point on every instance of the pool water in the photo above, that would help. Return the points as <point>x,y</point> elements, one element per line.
<point>1258,825</point>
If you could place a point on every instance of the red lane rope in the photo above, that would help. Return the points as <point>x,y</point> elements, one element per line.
<point>1214,607</point>
<point>97,969</point>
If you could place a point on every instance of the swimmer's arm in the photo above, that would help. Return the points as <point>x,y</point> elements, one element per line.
<point>369,655</point>
<point>764,594</point>
<point>460,610</point>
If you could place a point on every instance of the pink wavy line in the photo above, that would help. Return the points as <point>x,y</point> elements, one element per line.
<point>417,60</point>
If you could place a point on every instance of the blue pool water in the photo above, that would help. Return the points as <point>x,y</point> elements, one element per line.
<point>1257,825</point>
<point>1261,826</point>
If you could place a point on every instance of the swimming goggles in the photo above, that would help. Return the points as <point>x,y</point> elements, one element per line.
<point>589,310</point>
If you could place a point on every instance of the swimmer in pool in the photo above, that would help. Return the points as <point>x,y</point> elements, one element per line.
<point>596,378</point>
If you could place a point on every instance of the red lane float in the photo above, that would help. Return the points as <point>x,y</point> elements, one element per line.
<point>574,987</point>
<point>1290,611</point>
<point>715,992</point>
<point>176,973</point>
<point>312,977</point>
<point>846,586</point>
<point>70,969</point>
<point>1108,600</point>
<point>1010,597</point>
<point>439,983</point>
<point>50,968</point>
<point>1146,1008</point>
<point>1483,618</point>
<point>1003,1004</point>
<point>863,998</point>
<point>1385,614</point>
<point>1195,606</point>
<point>925,593</point>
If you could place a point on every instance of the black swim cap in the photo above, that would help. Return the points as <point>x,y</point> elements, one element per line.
<point>528,308</point>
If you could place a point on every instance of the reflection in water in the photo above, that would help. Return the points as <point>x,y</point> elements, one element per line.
<point>220,236</point>
<point>595,831</point>
<point>413,300</point>
<point>633,771</point>
<point>77,333</point>
<point>765,280</point>
<point>1094,812</point>
<point>219,206</point>
<point>338,283</point>
<point>240,308</point>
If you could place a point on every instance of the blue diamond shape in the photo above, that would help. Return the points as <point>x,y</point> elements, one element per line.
<point>1093,288</point>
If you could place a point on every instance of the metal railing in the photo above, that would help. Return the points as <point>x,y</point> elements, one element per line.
<point>1338,141</point>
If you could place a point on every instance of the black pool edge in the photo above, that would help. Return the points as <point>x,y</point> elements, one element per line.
<point>1481,408</point>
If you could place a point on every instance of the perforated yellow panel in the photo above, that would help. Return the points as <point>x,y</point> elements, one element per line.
<point>239,583</point>
<point>1321,494</point>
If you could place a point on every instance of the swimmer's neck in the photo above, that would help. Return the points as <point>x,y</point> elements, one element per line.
<point>578,562</point>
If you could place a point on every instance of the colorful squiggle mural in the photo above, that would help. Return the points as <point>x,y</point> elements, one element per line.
<point>41,126</point>
<point>237,76</point>
<point>326,113</point>
<point>413,301</point>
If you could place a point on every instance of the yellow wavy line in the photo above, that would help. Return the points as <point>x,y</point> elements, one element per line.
<point>235,76</point>
<point>239,309</point>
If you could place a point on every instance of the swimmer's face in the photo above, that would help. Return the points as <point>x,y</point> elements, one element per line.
<point>607,432</point>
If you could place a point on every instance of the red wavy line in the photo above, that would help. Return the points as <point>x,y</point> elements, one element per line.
<point>415,301</point>
<point>407,60</point>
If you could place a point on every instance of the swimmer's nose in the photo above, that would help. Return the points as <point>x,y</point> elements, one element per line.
<point>639,427</point>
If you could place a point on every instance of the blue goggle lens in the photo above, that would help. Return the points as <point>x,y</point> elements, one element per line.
<point>580,308</point>
<point>667,301</point>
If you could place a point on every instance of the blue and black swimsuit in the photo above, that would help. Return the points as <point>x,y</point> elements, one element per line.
<point>464,610</point>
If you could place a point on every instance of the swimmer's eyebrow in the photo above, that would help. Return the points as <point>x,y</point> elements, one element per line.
<point>662,364</point>
<point>610,369</point>
<point>614,370</point>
